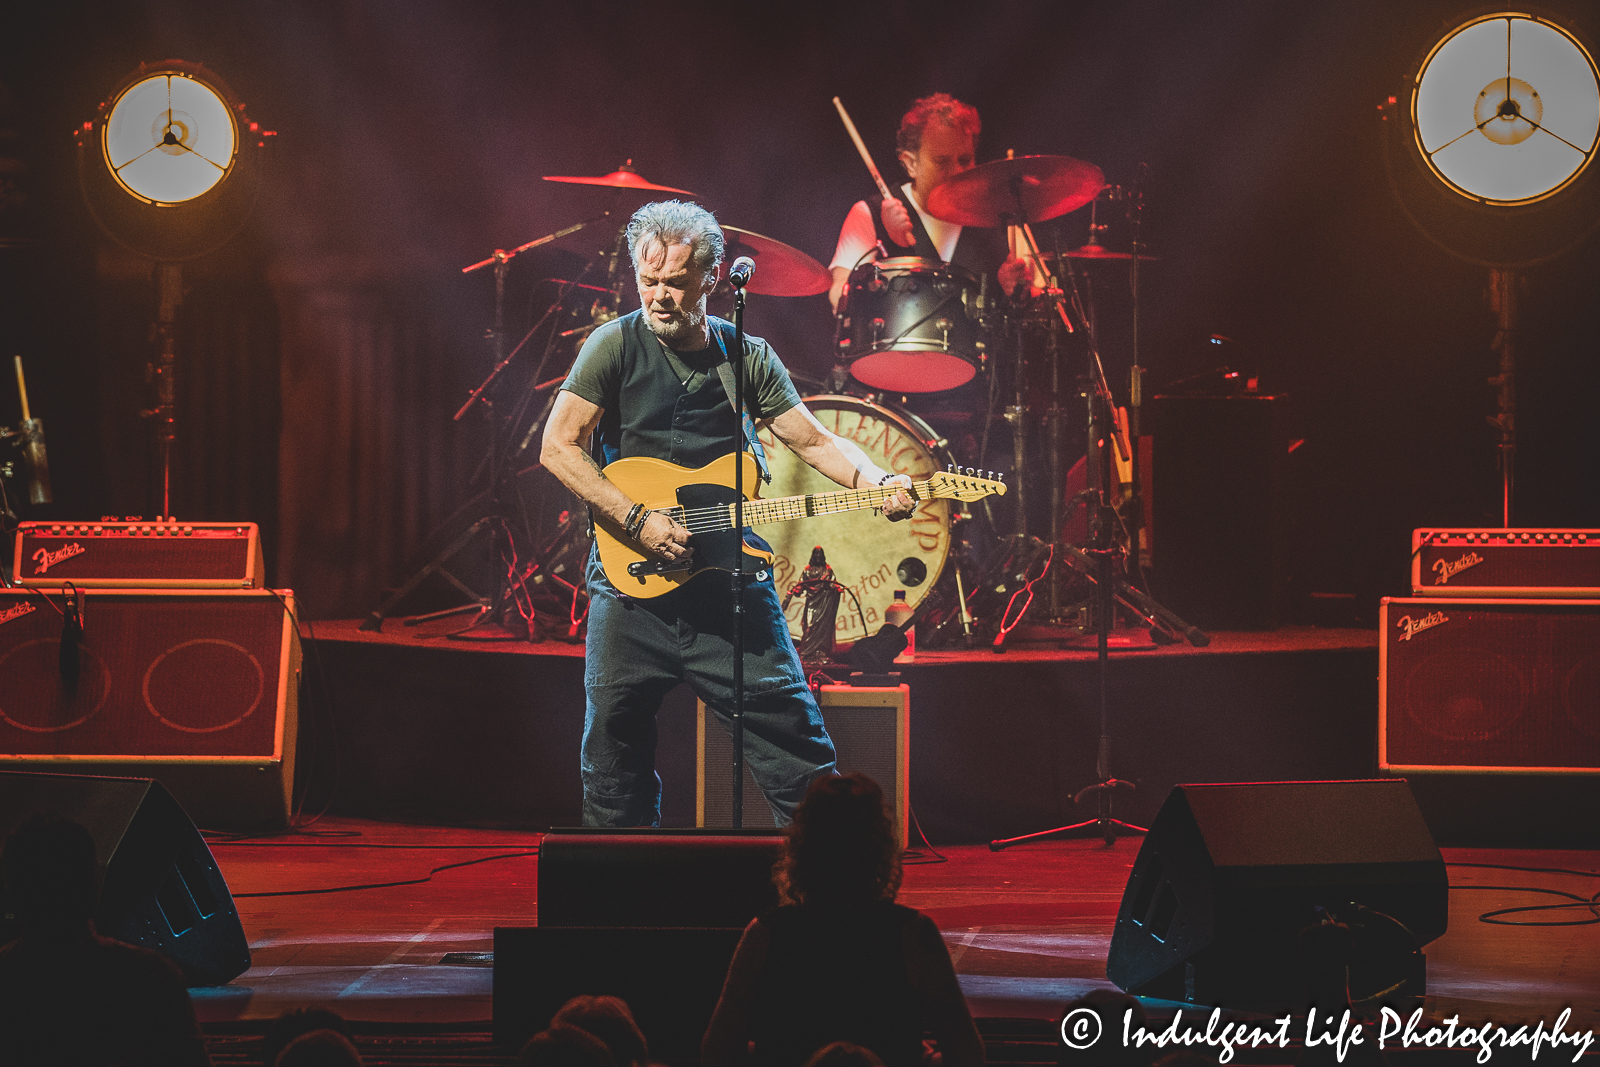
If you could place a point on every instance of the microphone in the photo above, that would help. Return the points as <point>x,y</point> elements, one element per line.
<point>739,274</point>
<point>71,637</point>
<point>38,463</point>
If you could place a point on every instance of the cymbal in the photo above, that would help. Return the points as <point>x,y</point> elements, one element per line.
<point>987,194</point>
<point>1102,252</point>
<point>624,177</point>
<point>781,270</point>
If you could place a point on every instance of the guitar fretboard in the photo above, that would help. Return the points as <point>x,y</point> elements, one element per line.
<point>783,508</point>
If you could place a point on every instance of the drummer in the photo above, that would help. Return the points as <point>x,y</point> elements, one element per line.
<point>937,141</point>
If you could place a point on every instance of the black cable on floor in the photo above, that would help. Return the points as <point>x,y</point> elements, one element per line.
<point>1574,900</point>
<point>912,812</point>
<point>387,885</point>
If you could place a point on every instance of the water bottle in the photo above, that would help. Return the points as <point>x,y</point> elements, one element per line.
<point>896,614</point>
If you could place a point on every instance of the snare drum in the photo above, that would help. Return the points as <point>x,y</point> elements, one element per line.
<point>870,555</point>
<point>909,325</point>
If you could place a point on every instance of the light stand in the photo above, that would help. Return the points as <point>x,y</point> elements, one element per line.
<point>1498,133</point>
<point>168,170</point>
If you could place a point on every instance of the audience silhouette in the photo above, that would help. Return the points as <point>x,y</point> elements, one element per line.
<point>295,1022</point>
<point>840,960</point>
<point>611,1020</point>
<point>566,1046</point>
<point>319,1048</point>
<point>68,995</point>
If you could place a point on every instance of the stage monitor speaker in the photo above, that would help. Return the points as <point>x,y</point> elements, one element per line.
<point>871,731</point>
<point>671,978</point>
<point>656,878</point>
<point>197,689</point>
<point>161,887</point>
<point>1230,874</point>
<point>1489,686</point>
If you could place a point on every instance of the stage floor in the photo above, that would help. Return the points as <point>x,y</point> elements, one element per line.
<point>1028,928</point>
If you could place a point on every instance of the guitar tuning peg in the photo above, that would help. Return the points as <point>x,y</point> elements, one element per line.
<point>950,468</point>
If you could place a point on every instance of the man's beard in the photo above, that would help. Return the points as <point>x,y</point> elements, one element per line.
<point>686,327</point>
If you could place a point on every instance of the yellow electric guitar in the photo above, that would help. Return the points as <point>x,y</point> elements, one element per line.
<point>702,500</point>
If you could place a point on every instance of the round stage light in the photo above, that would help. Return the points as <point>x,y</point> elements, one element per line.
<point>1506,109</point>
<point>169,138</point>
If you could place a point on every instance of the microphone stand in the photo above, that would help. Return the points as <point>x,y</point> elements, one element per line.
<point>737,355</point>
<point>1108,588</point>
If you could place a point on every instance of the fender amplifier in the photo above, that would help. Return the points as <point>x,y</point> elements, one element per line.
<point>133,555</point>
<point>871,731</point>
<point>194,688</point>
<point>1554,564</point>
<point>1503,686</point>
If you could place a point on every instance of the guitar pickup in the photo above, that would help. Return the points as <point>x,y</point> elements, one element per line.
<point>646,567</point>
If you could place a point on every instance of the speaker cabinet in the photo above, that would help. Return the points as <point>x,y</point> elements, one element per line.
<point>1219,488</point>
<point>871,733</point>
<point>1489,686</point>
<point>649,878</point>
<point>197,689</point>
<point>671,978</point>
<point>1229,874</point>
<point>161,888</point>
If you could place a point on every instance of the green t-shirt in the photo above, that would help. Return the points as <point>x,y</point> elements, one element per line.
<point>598,371</point>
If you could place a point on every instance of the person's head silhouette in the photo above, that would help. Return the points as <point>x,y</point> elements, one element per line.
<point>841,847</point>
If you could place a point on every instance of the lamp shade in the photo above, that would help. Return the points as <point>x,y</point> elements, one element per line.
<point>169,138</point>
<point>169,166</point>
<point>1506,109</point>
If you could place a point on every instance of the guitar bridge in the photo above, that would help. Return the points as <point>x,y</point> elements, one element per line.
<point>647,567</point>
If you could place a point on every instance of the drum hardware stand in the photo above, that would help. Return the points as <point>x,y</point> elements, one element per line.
<point>498,519</point>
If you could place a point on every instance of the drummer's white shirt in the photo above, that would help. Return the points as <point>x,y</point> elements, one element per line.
<point>859,236</point>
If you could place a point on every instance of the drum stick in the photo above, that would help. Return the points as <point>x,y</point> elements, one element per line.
<point>22,388</point>
<point>866,157</point>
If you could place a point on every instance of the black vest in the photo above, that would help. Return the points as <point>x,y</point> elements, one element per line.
<point>655,414</point>
<point>978,249</point>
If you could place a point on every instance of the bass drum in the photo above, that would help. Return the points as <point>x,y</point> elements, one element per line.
<point>869,555</point>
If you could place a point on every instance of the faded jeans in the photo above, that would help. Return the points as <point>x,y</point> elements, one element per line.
<point>638,650</point>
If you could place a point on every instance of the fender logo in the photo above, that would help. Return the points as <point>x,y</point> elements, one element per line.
<point>44,559</point>
<point>16,612</point>
<point>1445,569</point>
<point>1415,626</point>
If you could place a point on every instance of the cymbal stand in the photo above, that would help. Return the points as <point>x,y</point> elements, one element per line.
<point>497,520</point>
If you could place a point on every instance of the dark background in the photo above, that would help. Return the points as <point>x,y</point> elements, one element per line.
<point>324,350</point>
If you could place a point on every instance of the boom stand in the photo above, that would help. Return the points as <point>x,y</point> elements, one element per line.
<point>1107,587</point>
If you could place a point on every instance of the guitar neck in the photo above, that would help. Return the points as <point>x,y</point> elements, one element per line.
<point>784,508</point>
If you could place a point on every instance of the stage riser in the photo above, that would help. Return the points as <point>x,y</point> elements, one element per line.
<point>473,738</point>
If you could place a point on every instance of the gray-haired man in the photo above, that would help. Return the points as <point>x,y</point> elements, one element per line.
<point>647,384</point>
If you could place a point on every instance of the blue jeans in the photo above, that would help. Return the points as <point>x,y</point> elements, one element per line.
<point>638,650</point>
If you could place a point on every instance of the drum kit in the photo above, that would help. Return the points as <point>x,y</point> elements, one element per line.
<point>921,346</point>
